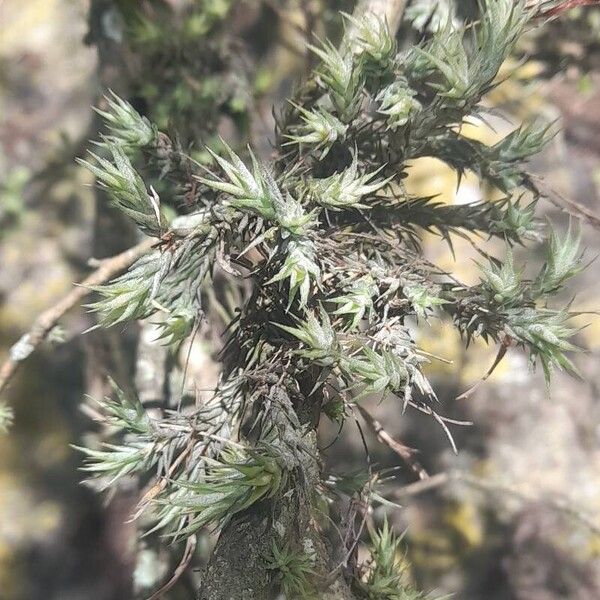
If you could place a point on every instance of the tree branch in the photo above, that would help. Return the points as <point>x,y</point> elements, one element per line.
<point>44,323</point>
<point>237,566</point>
<point>562,505</point>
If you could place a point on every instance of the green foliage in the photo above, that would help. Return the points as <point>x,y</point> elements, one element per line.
<point>504,165</point>
<point>319,128</point>
<point>231,484</point>
<point>386,577</point>
<point>423,299</point>
<point>357,302</point>
<point>431,15</point>
<point>318,337</point>
<point>374,45</point>
<point>128,296</point>
<point>185,75</point>
<point>379,371</point>
<point>502,282</point>
<point>115,461</point>
<point>345,190</point>
<point>563,261</point>
<point>516,221</point>
<point>301,268</point>
<point>11,198</point>
<point>125,414</point>
<point>112,461</point>
<point>505,305</point>
<point>340,79</point>
<point>397,102</point>
<point>321,249</point>
<point>167,282</point>
<point>545,333</point>
<point>464,65</point>
<point>254,192</point>
<point>178,325</point>
<point>294,572</point>
<point>127,128</point>
<point>127,191</point>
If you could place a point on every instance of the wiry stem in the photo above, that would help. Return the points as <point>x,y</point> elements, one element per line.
<point>44,323</point>
<point>403,451</point>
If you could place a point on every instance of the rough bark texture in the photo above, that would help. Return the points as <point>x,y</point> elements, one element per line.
<point>237,569</point>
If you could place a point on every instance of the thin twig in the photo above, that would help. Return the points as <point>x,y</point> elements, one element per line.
<point>575,209</point>
<point>45,322</point>
<point>506,343</point>
<point>562,505</point>
<point>161,484</point>
<point>188,554</point>
<point>404,452</point>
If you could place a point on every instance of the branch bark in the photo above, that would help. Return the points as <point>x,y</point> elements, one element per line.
<point>44,323</point>
<point>575,209</point>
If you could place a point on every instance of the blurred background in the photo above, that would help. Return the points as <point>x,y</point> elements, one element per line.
<point>520,521</point>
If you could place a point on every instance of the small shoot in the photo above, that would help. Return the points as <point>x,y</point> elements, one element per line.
<point>126,126</point>
<point>293,571</point>
<point>127,190</point>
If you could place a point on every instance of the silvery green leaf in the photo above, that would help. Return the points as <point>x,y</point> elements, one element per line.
<point>319,129</point>
<point>301,268</point>
<point>397,102</point>
<point>126,126</point>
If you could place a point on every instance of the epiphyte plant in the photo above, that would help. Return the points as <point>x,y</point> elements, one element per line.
<point>328,245</point>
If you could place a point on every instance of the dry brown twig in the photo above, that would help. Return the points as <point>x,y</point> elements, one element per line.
<point>504,346</point>
<point>45,322</point>
<point>575,209</point>
<point>404,452</point>
<point>188,554</point>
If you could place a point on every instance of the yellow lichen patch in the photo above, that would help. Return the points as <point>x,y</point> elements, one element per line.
<point>23,522</point>
<point>592,547</point>
<point>431,549</point>
<point>445,545</point>
<point>465,524</point>
<point>25,17</point>
<point>475,129</point>
<point>430,177</point>
<point>24,518</point>
<point>52,449</point>
<point>483,469</point>
<point>11,576</point>
<point>520,89</point>
<point>461,263</point>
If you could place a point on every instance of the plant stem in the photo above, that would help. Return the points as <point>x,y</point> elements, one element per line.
<point>44,323</point>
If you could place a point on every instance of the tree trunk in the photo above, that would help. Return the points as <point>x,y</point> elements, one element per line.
<point>238,569</point>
